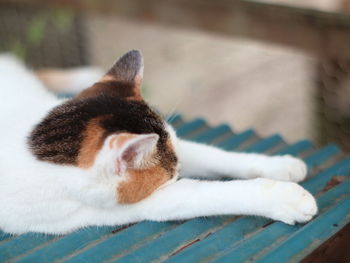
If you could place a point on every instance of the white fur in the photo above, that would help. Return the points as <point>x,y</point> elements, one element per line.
<point>241,165</point>
<point>42,197</point>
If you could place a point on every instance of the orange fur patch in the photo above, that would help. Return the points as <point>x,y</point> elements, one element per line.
<point>90,92</point>
<point>92,142</point>
<point>107,78</point>
<point>169,145</point>
<point>104,86</point>
<point>141,184</point>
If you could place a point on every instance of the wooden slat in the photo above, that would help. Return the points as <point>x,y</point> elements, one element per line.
<point>67,244</point>
<point>234,141</point>
<point>22,244</point>
<point>171,240</point>
<point>122,242</point>
<point>297,147</point>
<point>301,242</point>
<point>190,127</point>
<point>212,134</point>
<point>4,236</point>
<point>266,143</point>
<point>317,183</point>
<point>174,119</point>
<point>322,155</point>
<point>277,231</point>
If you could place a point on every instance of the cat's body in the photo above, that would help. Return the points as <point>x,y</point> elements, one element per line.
<point>70,164</point>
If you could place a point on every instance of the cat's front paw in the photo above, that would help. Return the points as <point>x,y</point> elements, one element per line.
<point>286,168</point>
<point>290,203</point>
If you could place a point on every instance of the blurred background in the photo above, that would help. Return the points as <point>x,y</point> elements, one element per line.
<point>279,66</point>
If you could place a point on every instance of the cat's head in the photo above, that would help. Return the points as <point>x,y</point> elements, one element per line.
<point>108,128</point>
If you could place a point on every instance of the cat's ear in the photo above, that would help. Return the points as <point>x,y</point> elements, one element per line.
<point>133,150</point>
<point>129,68</point>
<point>122,80</point>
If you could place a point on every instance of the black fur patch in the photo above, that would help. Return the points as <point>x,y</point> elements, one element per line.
<point>59,136</point>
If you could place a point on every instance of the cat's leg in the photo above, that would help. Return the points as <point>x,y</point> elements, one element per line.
<point>204,161</point>
<point>187,198</point>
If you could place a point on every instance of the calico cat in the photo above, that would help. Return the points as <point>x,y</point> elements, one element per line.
<point>105,157</point>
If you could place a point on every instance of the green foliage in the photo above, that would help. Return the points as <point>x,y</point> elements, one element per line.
<point>36,29</point>
<point>18,49</point>
<point>63,19</point>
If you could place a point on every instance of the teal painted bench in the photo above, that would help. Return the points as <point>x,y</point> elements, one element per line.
<point>211,239</point>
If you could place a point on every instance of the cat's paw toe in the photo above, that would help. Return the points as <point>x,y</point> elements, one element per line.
<point>288,168</point>
<point>296,205</point>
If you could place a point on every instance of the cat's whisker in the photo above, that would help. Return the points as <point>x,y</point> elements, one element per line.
<point>170,115</point>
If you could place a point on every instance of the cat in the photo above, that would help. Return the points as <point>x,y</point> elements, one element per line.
<point>104,157</point>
